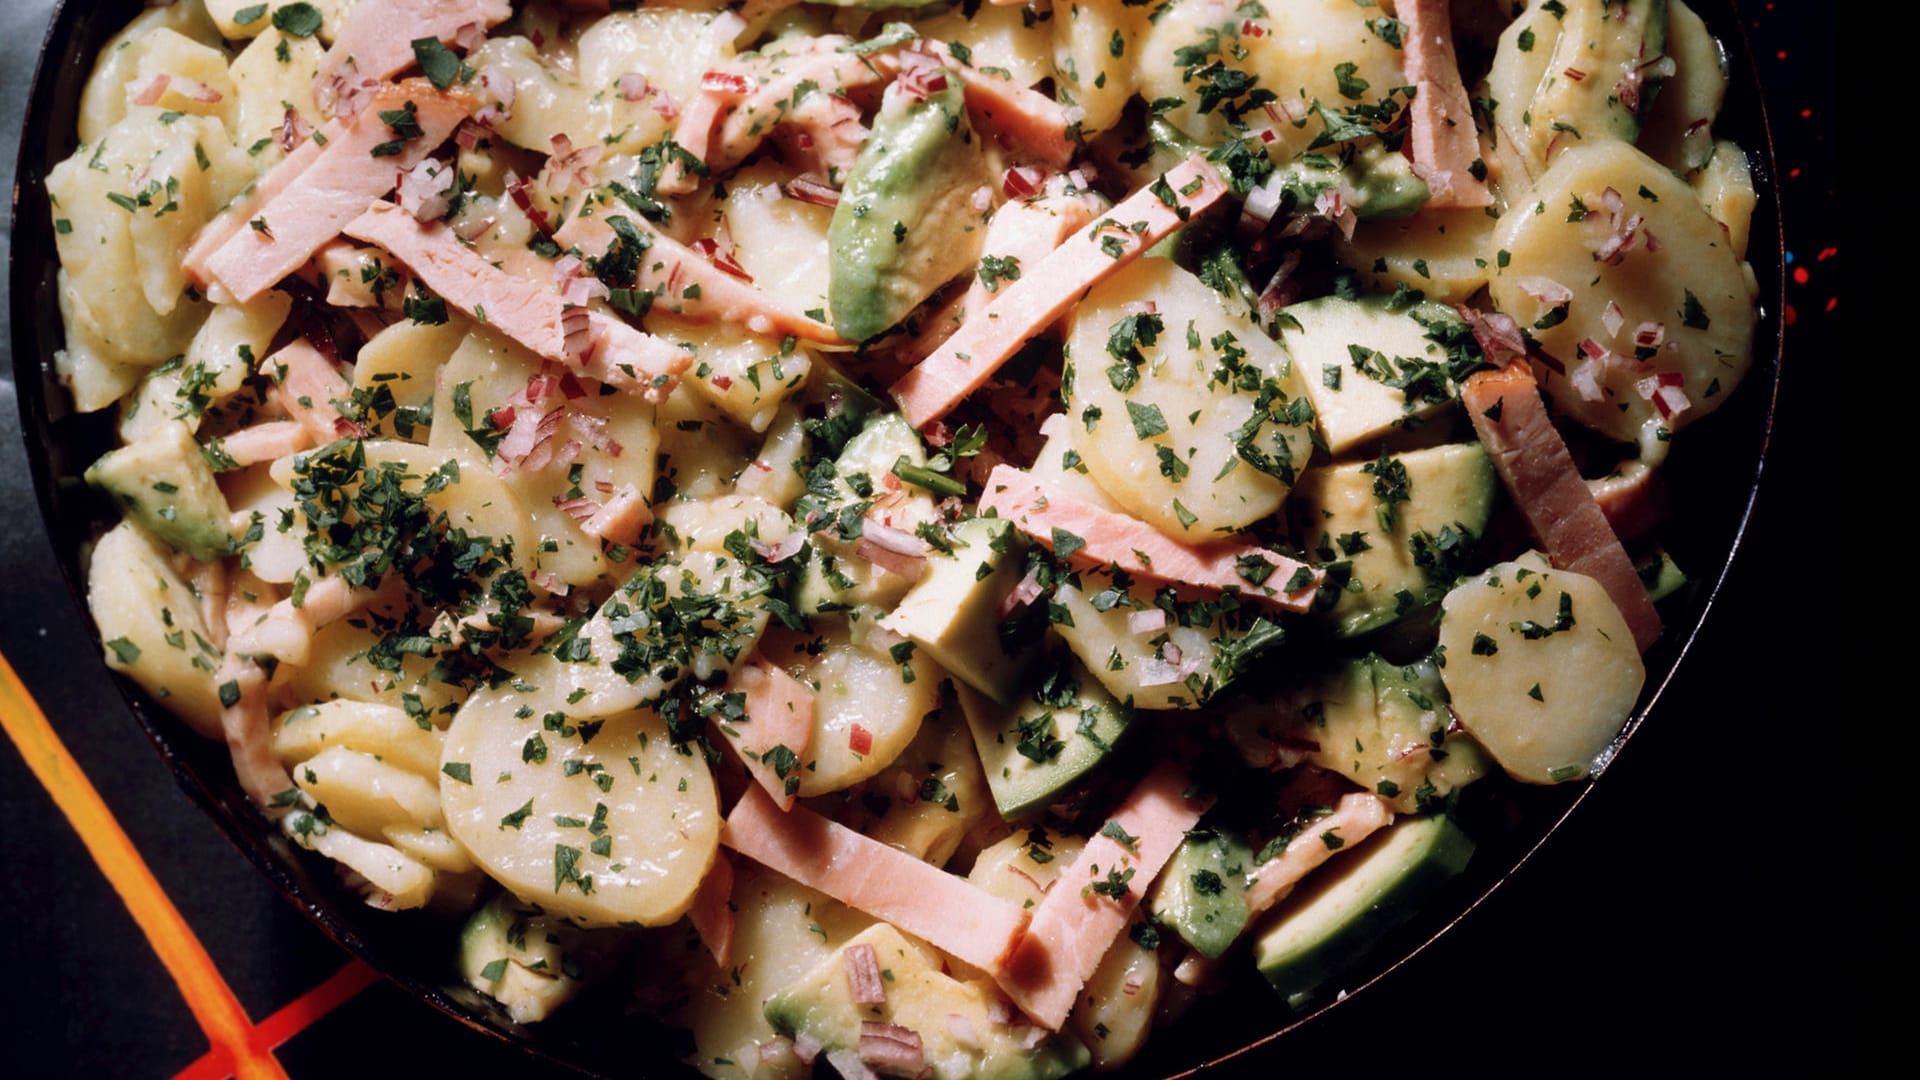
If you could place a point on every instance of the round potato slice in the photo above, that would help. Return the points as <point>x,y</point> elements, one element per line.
<point>602,819</point>
<point>1691,294</point>
<point>1165,380</point>
<point>865,711</point>
<point>1541,667</point>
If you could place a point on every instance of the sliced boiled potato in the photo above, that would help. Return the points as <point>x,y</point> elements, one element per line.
<point>701,450</point>
<point>781,930</point>
<point>1116,1008</point>
<point>597,817</point>
<point>1187,415</point>
<point>669,48</point>
<point>862,698</point>
<point>398,370</point>
<point>1675,134</point>
<point>1520,64</point>
<point>151,623</point>
<point>119,251</point>
<point>1300,58</point>
<point>279,553</point>
<point>381,731</point>
<point>1096,46</point>
<point>600,444</point>
<point>780,242</point>
<point>996,36</point>
<point>1541,668</point>
<point>224,351</point>
<point>1725,186</point>
<point>86,366</point>
<point>1694,288</point>
<point>748,376</point>
<point>932,795</point>
<point>777,475</point>
<point>1443,254</point>
<point>365,795</point>
<point>104,100</point>
<point>394,881</point>
<point>198,83</point>
<point>339,667</point>
<point>705,524</point>
<point>1165,668</point>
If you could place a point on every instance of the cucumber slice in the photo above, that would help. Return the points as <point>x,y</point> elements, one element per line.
<point>1377,889</point>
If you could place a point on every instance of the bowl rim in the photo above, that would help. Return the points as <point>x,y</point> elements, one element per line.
<point>32,359</point>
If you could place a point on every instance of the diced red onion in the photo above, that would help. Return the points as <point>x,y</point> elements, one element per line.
<point>1149,621</point>
<point>1650,335</point>
<point>811,189</point>
<point>891,1048</point>
<point>1575,74</point>
<point>963,1031</point>
<point>1613,319</point>
<point>860,740</point>
<point>1024,592</point>
<point>722,258</point>
<point>729,83</point>
<point>788,546</point>
<point>806,1048</point>
<point>1498,335</point>
<point>1545,289</point>
<point>425,191</point>
<point>579,509</point>
<point>848,1064</point>
<point>634,86</point>
<point>153,91</point>
<point>898,541</point>
<point>1667,392</point>
<point>1154,671</point>
<point>1022,182</point>
<point>1251,29</point>
<point>893,562</point>
<point>863,975</point>
<point>1584,381</point>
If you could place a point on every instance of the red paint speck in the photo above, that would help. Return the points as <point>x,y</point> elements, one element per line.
<point>1832,302</point>
<point>1825,254</point>
<point>1799,275</point>
<point>1793,174</point>
<point>1805,113</point>
<point>1791,315</point>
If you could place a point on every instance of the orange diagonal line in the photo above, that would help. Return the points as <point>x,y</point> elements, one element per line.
<point>293,1018</point>
<point>207,994</point>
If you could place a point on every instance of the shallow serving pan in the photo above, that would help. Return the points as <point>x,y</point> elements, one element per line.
<point>1714,477</point>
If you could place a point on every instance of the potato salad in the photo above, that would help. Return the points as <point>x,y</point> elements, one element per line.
<point>906,539</point>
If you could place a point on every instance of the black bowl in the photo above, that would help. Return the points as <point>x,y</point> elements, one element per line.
<point>1715,478</point>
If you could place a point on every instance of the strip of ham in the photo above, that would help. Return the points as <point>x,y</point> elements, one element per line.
<point>244,721</point>
<point>306,386</point>
<point>285,630</point>
<point>712,910</point>
<point>1112,539</point>
<point>742,103</point>
<point>1538,471</point>
<point>779,713</point>
<point>269,440</point>
<point>231,221</point>
<point>528,311</point>
<point>947,912</point>
<point>748,100</point>
<point>1074,926</point>
<point>1021,234</point>
<point>621,518</point>
<point>1444,143</point>
<point>1355,817</point>
<point>1023,118</point>
<point>377,40</point>
<point>1048,289</point>
<point>690,285</point>
<point>332,188</point>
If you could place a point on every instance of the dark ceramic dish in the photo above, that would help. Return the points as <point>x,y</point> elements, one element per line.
<point>1715,477</point>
